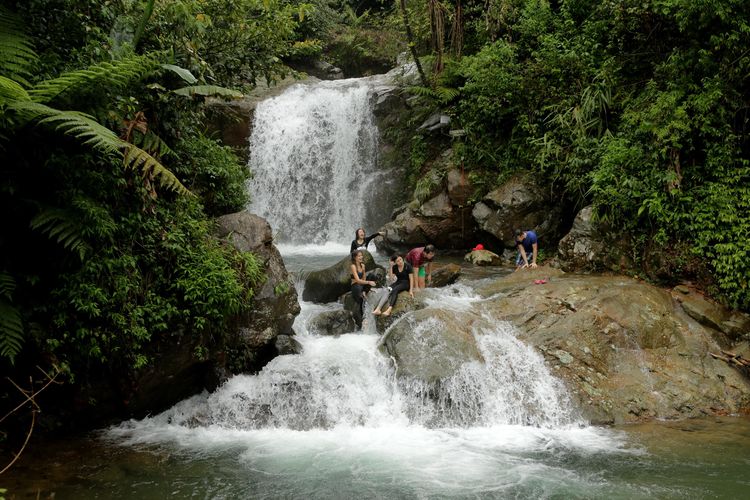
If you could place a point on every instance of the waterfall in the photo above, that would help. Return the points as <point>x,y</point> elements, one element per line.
<point>346,382</point>
<point>314,157</point>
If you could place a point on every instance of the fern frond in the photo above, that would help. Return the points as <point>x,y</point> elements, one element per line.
<point>10,91</point>
<point>7,286</point>
<point>11,331</point>
<point>11,326</point>
<point>109,75</point>
<point>17,55</point>
<point>446,94</point>
<point>152,143</point>
<point>209,90</point>
<point>92,133</point>
<point>58,225</point>
<point>135,157</point>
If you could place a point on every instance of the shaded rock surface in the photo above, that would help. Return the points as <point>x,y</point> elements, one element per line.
<point>520,203</point>
<point>327,285</point>
<point>275,304</point>
<point>185,364</point>
<point>593,246</point>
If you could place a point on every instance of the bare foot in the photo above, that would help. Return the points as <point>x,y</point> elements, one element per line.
<point>387,312</point>
<point>377,312</point>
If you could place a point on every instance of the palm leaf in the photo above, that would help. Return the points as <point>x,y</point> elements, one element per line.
<point>209,90</point>
<point>111,75</point>
<point>60,226</point>
<point>17,56</point>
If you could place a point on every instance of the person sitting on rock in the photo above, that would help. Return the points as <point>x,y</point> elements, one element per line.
<point>420,259</point>
<point>361,241</point>
<point>526,241</point>
<point>404,281</point>
<point>360,284</point>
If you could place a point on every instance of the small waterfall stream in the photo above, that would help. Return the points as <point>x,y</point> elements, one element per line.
<point>314,158</point>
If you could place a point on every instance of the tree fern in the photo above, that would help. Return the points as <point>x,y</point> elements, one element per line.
<point>443,95</point>
<point>152,143</point>
<point>109,75</point>
<point>61,227</point>
<point>86,129</point>
<point>11,326</point>
<point>17,56</point>
<point>11,91</point>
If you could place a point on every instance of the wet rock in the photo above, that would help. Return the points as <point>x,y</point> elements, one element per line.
<point>445,275</point>
<point>483,258</point>
<point>431,344</point>
<point>333,322</point>
<point>286,344</point>
<point>624,349</point>
<point>458,188</point>
<point>327,285</point>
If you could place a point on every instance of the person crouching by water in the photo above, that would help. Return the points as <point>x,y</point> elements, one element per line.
<point>526,241</point>
<point>404,281</point>
<point>361,241</point>
<point>420,259</point>
<point>360,284</point>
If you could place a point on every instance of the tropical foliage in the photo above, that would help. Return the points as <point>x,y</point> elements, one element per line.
<point>636,107</point>
<point>107,180</point>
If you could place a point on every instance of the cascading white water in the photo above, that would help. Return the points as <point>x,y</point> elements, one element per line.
<point>346,381</point>
<point>313,154</point>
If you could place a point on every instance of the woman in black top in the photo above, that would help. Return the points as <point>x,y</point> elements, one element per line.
<point>404,281</point>
<point>361,241</point>
<point>360,284</point>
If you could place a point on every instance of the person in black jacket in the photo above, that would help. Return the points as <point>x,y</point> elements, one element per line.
<point>361,241</point>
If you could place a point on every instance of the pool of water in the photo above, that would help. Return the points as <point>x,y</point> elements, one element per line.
<point>689,459</point>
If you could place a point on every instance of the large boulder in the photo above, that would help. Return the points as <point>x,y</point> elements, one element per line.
<point>327,285</point>
<point>483,258</point>
<point>431,344</point>
<point>520,203</point>
<point>593,246</point>
<point>623,348</point>
<point>436,221</point>
<point>275,303</point>
<point>332,323</point>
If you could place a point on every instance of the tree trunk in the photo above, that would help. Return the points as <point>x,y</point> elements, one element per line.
<point>410,41</point>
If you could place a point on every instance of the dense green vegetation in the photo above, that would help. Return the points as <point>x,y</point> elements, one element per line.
<point>637,107</point>
<point>109,183</point>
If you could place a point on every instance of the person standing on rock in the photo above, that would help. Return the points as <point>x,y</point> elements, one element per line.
<point>360,284</point>
<point>361,241</point>
<point>404,281</point>
<point>526,241</point>
<point>420,259</point>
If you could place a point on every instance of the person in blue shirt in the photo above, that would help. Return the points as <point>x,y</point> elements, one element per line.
<point>526,242</point>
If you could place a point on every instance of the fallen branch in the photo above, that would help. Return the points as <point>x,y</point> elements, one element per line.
<point>29,396</point>
<point>733,359</point>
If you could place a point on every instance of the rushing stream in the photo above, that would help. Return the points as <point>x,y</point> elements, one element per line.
<point>336,422</point>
